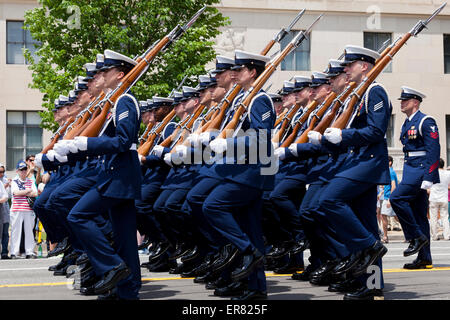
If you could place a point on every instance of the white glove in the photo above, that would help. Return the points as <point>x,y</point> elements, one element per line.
<point>426,185</point>
<point>158,150</point>
<point>194,139</point>
<point>61,158</point>
<point>280,153</point>
<point>38,160</point>
<point>141,158</point>
<point>168,159</point>
<point>334,135</point>
<point>81,143</point>
<point>218,145</point>
<point>181,151</point>
<point>293,149</point>
<point>70,144</point>
<point>51,155</point>
<point>314,137</point>
<point>275,145</point>
<point>206,137</point>
<point>61,147</point>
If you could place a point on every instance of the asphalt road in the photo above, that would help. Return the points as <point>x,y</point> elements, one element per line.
<point>30,280</point>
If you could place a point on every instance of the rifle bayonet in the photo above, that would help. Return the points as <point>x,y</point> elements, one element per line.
<point>423,24</point>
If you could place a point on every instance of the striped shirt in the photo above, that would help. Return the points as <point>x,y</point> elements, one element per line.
<point>20,203</point>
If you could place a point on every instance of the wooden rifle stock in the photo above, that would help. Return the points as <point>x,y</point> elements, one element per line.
<point>81,121</point>
<point>326,120</point>
<point>316,117</point>
<point>268,47</point>
<point>146,132</point>
<point>281,117</point>
<point>286,121</point>
<point>154,134</point>
<point>298,125</point>
<point>188,126</point>
<point>217,121</point>
<point>60,132</point>
<point>138,70</point>
<point>262,79</point>
<point>381,64</point>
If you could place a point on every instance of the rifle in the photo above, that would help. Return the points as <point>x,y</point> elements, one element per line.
<point>145,148</point>
<point>136,73</point>
<point>144,136</point>
<point>282,33</point>
<point>186,128</point>
<point>281,117</point>
<point>90,112</point>
<point>299,123</point>
<point>381,64</point>
<point>317,114</point>
<point>221,108</point>
<point>259,82</point>
<point>285,120</point>
<point>337,103</point>
<point>57,134</point>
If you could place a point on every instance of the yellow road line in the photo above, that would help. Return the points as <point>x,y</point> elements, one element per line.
<point>268,274</point>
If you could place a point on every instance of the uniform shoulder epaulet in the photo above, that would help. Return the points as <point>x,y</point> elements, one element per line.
<point>260,94</point>
<point>422,121</point>
<point>136,104</point>
<point>373,85</point>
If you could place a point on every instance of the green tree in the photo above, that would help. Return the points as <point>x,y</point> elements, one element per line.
<point>71,33</point>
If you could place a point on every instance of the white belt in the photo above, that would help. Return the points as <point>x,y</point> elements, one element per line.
<point>416,153</point>
<point>133,147</point>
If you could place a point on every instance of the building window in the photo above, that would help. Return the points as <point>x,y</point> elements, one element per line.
<point>299,59</point>
<point>17,40</point>
<point>390,132</point>
<point>23,136</point>
<point>447,53</point>
<point>375,40</point>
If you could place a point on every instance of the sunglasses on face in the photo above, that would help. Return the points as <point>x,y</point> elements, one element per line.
<point>23,169</point>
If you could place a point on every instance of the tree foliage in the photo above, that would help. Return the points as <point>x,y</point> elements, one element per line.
<point>71,33</point>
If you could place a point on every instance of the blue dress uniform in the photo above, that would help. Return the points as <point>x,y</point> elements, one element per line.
<point>420,139</point>
<point>198,193</point>
<point>285,199</point>
<point>154,174</point>
<point>59,173</point>
<point>83,177</point>
<point>323,246</point>
<point>175,188</point>
<point>118,185</point>
<point>349,199</point>
<point>233,207</point>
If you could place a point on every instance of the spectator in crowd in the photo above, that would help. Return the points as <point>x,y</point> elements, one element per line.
<point>4,211</point>
<point>21,188</point>
<point>4,214</point>
<point>439,203</point>
<point>31,168</point>
<point>386,209</point>
<point>379,201</point>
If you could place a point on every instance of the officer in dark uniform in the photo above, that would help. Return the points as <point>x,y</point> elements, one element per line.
<point>290,187</point>
<point>420,139</point>
<point>321,248</point>
<point>234,207</point>
<point>118,185</point>
<point>348,201</point>
<point>155,173</point>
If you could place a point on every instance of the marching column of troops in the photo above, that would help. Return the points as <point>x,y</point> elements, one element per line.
<point>209,205</point>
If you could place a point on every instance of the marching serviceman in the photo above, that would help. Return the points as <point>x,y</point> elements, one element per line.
<point>242,185</point>
<point>420,139</point>
<point>118,185</point>
<point>348,201</point>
